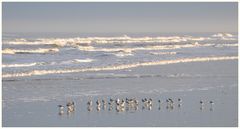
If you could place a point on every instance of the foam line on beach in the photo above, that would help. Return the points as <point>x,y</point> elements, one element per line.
<point>73,61</point>
<point>124,76</point>
<point>119,67</point>
<point>163,53</point>
<point>19,65</point>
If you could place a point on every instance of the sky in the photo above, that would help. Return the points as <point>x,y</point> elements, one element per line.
<point>120,17</point>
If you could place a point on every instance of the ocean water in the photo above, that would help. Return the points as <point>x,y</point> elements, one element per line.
<point>40,71</point>
<point>31,57</point>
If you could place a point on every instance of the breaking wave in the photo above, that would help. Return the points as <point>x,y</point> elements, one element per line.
<point>121,39</point>
<point>19,65</point>
<point>227,45</point>
<point>121,51</point>
<point>163,53</point>
<point>155,47</point>
<point>119,67</point>
<point>31,51</point>
<point>224,36</point>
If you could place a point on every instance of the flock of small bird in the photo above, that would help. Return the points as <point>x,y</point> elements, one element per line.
<point>127,104</point>
<point>202,105</point>
<point>70,108</point>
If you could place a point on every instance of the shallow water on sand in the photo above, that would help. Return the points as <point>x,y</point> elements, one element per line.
<point>222,113</point>
<point>33,102</point>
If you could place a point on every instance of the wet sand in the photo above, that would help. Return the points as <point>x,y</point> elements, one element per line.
<point>33,101</point>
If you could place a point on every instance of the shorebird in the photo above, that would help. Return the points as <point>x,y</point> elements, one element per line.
<point>201,103</point>
<point>61,107</point>
<point>71,103</point>
<point>211,108</point>
<point>111,100</point>
<point>211,102</point>
<point>98,103</point>
<point>150,102</point>
<point>117,101</point>
<point>122,103</point>
<point>89,103</point>
<point>110,104</point>
<point>144,100</point>
<point>126,100</point>
<point>159,101</point>
<point>70,106</point>
<point>167,101</point>
<point>104,104</point>
<point>130,101</point>
<point>170,102</point>
<point>136,102</point>
<point>179,100</point>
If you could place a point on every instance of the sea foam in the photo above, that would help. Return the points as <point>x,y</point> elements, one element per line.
<point>66,62</point>
<point>119,67</point>
<point>30,51</point>
<point>60,42</point>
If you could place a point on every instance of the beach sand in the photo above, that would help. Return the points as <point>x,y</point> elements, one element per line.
<point>33,101</point>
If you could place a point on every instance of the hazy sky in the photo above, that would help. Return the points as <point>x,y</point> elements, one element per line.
<point>120,17</point>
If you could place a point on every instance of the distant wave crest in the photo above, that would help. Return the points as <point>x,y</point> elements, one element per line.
<point>121,39</point>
